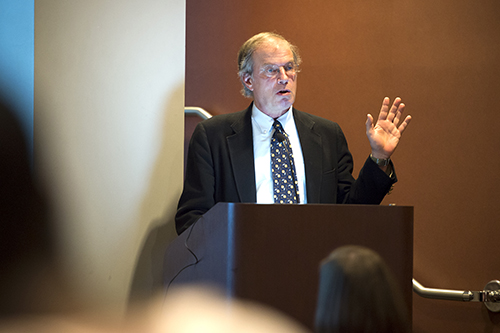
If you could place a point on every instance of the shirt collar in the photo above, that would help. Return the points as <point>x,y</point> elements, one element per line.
<point>265,123</point>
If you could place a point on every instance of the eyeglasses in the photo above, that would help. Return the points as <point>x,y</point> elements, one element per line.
<point>273,71</point>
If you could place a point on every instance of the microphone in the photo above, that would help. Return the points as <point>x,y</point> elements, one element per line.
<point>279,136</point>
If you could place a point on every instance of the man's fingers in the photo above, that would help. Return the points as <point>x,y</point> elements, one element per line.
<point>403,125</point>
<point>384,108</point>
<point>369,122</point>
<point>394,109</point>
<point>399,113</point>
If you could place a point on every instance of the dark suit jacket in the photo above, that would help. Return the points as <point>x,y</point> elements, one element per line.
<point>220,166</point>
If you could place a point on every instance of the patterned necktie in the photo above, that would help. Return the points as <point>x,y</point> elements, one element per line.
<point>283,167</point>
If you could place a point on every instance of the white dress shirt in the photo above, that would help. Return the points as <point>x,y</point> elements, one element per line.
<point>262,126</point>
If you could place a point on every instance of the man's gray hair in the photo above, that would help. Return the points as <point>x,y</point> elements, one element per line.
<point>245,60</point>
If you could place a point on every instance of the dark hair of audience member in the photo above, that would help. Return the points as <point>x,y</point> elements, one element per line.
<point>27,245</point>
<point>357,293</point>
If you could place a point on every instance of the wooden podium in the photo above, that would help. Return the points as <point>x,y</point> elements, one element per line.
<point>271,253</point>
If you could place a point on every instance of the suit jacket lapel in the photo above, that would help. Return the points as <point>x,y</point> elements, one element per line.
<point>310,142</point>
<point>240,146</point>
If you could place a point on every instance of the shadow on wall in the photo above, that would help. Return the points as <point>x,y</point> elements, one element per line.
<point>147,278</point>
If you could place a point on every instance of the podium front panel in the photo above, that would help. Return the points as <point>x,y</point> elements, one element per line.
<point>271,253</point>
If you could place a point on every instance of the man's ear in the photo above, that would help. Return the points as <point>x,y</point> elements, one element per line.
<point>248,81</point>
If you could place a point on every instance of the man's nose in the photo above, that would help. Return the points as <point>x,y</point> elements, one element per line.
<point>282,76</point>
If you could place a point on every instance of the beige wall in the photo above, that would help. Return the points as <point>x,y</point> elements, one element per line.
<point>109,96</point>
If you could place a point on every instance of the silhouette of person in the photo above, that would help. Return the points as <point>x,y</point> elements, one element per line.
<point>357,293</point>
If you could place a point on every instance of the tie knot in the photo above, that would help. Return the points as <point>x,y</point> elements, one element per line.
<point>277,125</point>
<point>279,133</point>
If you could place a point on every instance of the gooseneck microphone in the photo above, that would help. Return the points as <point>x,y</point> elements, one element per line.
<point>280,137</point>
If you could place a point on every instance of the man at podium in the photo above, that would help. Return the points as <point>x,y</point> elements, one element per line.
<point>274,153</point>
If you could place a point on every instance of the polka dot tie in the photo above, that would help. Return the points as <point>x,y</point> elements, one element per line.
<point>283,167</point>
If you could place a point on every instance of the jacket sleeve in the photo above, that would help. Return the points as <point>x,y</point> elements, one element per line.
<point>372,183</point>
<point>371,186</point>
<point>198,195</point>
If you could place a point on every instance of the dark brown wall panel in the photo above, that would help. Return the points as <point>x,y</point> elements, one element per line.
<point>442,58</point>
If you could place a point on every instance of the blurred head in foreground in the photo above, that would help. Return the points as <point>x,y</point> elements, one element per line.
<point>357,293</point>
<point>27,246</point>
<point>200,309</point>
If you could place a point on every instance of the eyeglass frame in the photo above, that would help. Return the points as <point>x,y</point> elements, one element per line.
<point>276,69</point>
